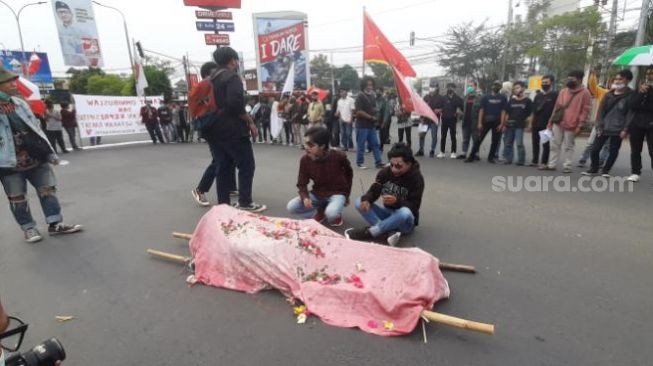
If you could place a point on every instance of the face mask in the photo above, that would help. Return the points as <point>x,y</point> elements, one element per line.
<point>546,88</point>
<point>618,86</point>
<point>496,89</point>
<point>571,84</point>
<point>470,90</point>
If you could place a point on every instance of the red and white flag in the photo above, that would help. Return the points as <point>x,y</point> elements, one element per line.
<point>34,64</point>
<point>30,92</point>
<point>139,75</point>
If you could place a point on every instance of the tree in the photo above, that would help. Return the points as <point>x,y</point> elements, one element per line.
<point>79,79</point>
<point>348,77</point>
<point>382,75</point>
<point>105,85</point>
<point>321,72</point>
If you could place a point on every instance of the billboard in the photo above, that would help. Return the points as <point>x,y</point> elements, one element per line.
<point>38,65</point>
<point>281,42</point>
<point>78,35</point>
<point>214,3</point>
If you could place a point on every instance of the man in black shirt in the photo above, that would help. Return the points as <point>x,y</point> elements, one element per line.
<point>452,104</point>
<point>490,115</point>
<point>229,135</point>
<point>366,121</point>
<point>518,111</point>
<point>542,110</point>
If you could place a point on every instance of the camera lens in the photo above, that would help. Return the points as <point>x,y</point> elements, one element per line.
<point>44,354</point>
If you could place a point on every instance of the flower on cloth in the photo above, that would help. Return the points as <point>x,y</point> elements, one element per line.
<point>359,267</point>
<point>310,247</point>
<point>372,324</point>
<point>388,325</point>
<point>301,318</point>
<point>355,280</point>
<point>301,309</point>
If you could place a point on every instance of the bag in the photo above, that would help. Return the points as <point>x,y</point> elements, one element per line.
<point>201,103</point>
<point>559,113</point>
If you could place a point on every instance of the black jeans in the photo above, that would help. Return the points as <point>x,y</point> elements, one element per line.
<point>496,138</point>
<point>155,132</point>
<point>384,133</point>
<point>182,135</point>
<point>448,125</point>
<point>469,135</point>
<point>407,131</point>
<point>56,137</point>
<point>615,145</point>
<point>209,176</point>
<point>637,136</point>
<point>72,136</point>
<point>546,148</point>
<point>266,130</point>
<point>228,155</point>
<point>287,129</point>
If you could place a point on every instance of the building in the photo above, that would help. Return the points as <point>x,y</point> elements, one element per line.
<point>559,7</point>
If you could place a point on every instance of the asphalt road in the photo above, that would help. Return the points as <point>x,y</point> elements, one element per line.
<point>566,277</point>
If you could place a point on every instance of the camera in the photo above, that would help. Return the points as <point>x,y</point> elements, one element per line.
<point>47,353</point>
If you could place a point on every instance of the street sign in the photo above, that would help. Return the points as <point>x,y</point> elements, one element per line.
<point>216,39</point>
<point>214,3</point>
<point>208,14</point>
<point>215,26</point>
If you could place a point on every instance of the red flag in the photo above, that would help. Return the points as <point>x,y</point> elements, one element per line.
<point>34,64</point>
<point>321,93</point>
<point>377,48</point>
<point>410,99</point>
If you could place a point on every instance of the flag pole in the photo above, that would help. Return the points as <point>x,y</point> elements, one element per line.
<point>363,41</point>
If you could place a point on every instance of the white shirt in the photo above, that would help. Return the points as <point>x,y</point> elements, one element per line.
<point>345,109</point>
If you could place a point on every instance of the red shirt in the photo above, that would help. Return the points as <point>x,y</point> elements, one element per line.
<point>149,115</point>
<point>331,175</point>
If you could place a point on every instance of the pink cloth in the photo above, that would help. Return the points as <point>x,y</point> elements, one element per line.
<point>343,282</point>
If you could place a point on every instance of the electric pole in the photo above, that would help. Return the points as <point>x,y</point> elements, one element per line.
<point>641,33</point>
<point>612,31</point>
<point>505,51</point>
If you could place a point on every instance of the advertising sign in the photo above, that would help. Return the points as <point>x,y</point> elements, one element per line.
<point>281,41</point>
<point>215,26</point>
<point>78,35</point>
<point>107,116</point>
<point>217,39</point>
<point>214,3</point>
<point>37,65</point>
<point>251,79</point>
<point>209,14</point>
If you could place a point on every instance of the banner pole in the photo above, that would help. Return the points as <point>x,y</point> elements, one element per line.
<point>363,41</point>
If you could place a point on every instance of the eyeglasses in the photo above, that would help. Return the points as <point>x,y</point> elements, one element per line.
<point>11,340</point>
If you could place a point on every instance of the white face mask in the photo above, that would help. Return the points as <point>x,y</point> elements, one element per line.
<point>617,86</point>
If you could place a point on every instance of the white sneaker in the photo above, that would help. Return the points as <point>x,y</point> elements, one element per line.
<point>440,155</point>
<point>634,178</point>
<point>393,239</point>
<point>606,175</point>
<point>453,156</point>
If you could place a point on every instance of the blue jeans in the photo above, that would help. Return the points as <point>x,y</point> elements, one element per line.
<point>228,155</point>
<point>510,136</point>
<point>384,220</point>
<point>42,178</point>
<point>332,205</point>
<point>605,151</point>
<point>434,137</point>
<point>345,135</point>
<point>370,136</point>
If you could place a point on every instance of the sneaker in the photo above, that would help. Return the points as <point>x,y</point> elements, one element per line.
<point>360,234</point>
<point>61,228</point>
<point>477,158</point>
<point>420,153</point>
<point>588,173</point>
<point>253,207</point>
<point>362,167</point>
<point>491,161</point>
<point>461,156</point>
<point>200,198</point>
<point>319,215</point>
<point>633,178</point>
<point>337,222</point>
<point>470,159</point>
<point>606,175</point>
<point>546,167</point>
<point>567,170</point>
<point>233,193</point>
<point>393,239</point>
<point>431,154</point>
<point>519,163</point>
<point>440,155</point>
<point>581,163</point>
<point>32,235</point>
<point>453,156</point>
<point>531,164</point>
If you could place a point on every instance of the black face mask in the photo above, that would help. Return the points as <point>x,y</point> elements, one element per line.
<point>496,89</point>
<point>546,88</point>
<point>571,84</point>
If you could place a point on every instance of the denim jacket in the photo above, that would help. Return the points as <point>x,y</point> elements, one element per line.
<point>7,148</point>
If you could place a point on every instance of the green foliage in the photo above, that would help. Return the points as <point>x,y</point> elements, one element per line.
<point>79,79</point>
<point>157,80</point>
<point>105,85</point>
<point>348,77</point>
<point>382,74</point>
<point>321,72</point>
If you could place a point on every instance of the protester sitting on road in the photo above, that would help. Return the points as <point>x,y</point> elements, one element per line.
<point>400,186</point>
<point>516,118</point>
<point>54,127</point>
<point>150,118</point>
<point>332,175</point>
<point>69,122</point>
<point>27,156</point>
<point>641,126</point>
<point>492,111</point>
<point>613,122</point>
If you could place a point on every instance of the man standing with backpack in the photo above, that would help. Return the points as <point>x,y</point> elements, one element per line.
<point>229,134</point>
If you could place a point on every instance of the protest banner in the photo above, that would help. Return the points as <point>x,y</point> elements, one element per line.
<point>107,116</point>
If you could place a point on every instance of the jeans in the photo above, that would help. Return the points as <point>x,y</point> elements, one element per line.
<point>227,155</point>
<point>182,135</point>
<point>448,125</point>
<point>637,136</point>
<point>209,177</point>
<point>469,134</point>
<point>72,136</point>
<point>56,137</point>
<point>168,131</point>
<point>287,129</point>
<point>43,180</point>
<point>615,145</point>
<point>434,137</point>
<point>590,144</point>
<point>496,138</point>
<point>266,129</point>
<point>345,135</point>
<point>510,136</point>
<point>297,133</point>
<point>155,132</point>
<point>332,206</point>
<point>405,131</point>
<point>546,148</point>
<point>368,135</point>
<point>384,220</point>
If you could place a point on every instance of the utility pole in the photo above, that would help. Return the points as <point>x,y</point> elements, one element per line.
<point>505,51</point>
<point>641,33</point>
<point>364,41</point>
<point>612,31</point>
<point>333,79</point>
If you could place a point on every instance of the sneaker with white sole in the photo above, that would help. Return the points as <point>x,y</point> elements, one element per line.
<point>393,239</point>
<point>633,178</point>
<point>337,222</point>
<point>454,156</point>
<point>200,198</point>
<point>440,155</point>
<point>606,175</point>
<point>61,229</point>
<point>362,167</point>
<point>252,207</point>
<point>33,235</point>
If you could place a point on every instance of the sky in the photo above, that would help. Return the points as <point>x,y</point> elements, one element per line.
<point>168,27</point>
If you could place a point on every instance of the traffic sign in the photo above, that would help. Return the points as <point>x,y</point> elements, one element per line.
<point>209,14</point>
<point>214,3</point>
<point>215,26</point>
<point>216,39</point>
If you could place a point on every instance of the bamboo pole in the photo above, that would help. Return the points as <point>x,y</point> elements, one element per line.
<point>458,322</point>
<point>180,259</point>
<point>184,236</point>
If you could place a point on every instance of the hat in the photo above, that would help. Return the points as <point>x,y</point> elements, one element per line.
<point>61,5</point>
<point>6,76</point>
